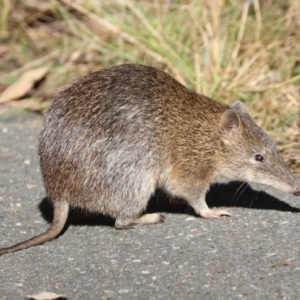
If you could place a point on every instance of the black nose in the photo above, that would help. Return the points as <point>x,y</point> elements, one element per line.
<point>297,191</point>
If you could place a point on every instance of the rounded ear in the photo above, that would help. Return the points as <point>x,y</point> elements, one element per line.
<point>241,107</point>
<point>230,124</point>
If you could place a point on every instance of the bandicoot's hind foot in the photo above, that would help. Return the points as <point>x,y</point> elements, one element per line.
<point>148,219</point>
<point>145,219</point>
<point>214,213</point>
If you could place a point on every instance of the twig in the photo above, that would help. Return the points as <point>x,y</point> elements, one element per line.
<point>30,65</point>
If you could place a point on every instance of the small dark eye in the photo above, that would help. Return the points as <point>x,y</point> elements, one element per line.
<point>259,157</point>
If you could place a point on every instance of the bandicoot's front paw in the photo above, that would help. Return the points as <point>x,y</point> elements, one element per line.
<point>214,213</point>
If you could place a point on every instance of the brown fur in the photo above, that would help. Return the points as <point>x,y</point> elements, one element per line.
<point>114,136</point>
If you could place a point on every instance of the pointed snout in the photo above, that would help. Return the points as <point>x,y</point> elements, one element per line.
<point>296,191</point>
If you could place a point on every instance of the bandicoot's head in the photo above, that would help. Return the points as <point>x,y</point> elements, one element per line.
<point>249,153</point>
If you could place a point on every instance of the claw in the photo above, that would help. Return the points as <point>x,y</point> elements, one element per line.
<point>211,213</point>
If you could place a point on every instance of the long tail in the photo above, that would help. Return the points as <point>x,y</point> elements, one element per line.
<point>60,215</point>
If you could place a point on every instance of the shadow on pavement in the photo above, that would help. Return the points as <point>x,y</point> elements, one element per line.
<point>235,194</point>
<point>239,194</point>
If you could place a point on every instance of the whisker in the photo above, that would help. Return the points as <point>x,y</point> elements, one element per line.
<point>253,199</point>
<point>242,191</point>
<point>245,184</point>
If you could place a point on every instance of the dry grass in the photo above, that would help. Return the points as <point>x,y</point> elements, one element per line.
<point>227,50</point>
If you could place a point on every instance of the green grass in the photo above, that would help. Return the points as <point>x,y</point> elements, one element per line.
<point>226,49</point>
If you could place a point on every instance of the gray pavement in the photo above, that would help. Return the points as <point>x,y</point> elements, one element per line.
<point>253,255</point>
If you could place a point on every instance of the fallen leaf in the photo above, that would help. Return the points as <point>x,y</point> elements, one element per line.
<point>23,86</point>
<point>280,264</point>
<point>46,296</point>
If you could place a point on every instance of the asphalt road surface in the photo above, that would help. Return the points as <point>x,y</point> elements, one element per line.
<point>252,255</point>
